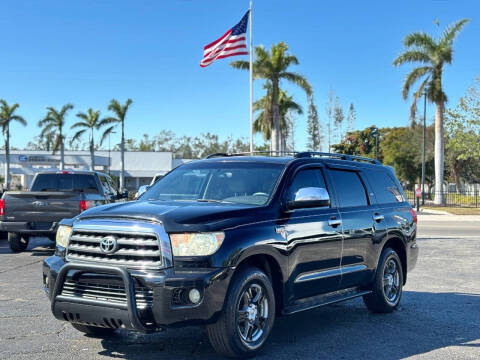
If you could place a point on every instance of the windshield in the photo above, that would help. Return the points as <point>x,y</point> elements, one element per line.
<point>242,183</point>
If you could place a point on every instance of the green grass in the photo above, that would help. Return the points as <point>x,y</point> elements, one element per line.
<point>456,210</point>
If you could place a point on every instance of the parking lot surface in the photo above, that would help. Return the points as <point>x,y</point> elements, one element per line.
<point>438,318</point>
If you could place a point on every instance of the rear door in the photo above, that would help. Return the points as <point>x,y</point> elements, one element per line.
<point>362,229</point>
<point>314,238</point>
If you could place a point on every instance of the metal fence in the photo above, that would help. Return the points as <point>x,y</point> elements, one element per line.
<point>452,198</point>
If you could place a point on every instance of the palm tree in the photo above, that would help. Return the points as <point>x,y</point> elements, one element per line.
<point>120,112</point>
<point>263,122</point>
<point>7,115</point>
<point>55,121</point>
<point>432,54</point>
<point>89,121</point>
<point>273,67</point>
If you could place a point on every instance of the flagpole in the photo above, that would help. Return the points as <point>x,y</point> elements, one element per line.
<point>251,80</point>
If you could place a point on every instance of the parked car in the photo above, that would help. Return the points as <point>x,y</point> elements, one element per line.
<point>144,188</point>
<point>52,197</point>
<point>232,242</point>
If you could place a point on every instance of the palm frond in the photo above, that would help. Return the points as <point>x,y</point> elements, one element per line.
<point>452,31</point>
<point>412,56</point>
<point>19,119</point>
<point>82,115</point>
<point>298,80</point>
<point>240,64</point>
<point>412,77</point>
<point>105,134</point>
<point>79,124</point>
<point>421,40</point>
<point>58,141</point>
<point>417,95</point>
<point>77,135</point>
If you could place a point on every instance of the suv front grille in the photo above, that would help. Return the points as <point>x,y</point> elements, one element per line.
<point>134,250</point>
<point>107,292</point>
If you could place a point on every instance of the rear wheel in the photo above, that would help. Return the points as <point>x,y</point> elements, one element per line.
<point>387,289</point>
<point>17,243</point>
<point>248,317</point>
<point>93,330</point>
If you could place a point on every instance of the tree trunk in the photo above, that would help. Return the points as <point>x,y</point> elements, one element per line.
<point>276,118</point>
<point>122,160</point>
<point>439,155</point>
<point>62,152</point>
<point>92,153</point>
<point>7,159</point>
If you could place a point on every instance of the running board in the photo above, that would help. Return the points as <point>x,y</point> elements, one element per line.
<point>324,299</point>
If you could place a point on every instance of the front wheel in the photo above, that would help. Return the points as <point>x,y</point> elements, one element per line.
<point>387,289</point>
<point>248,317</point>
<point>17,243</point>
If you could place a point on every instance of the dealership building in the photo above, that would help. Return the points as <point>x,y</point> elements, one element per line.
<point>140,166</point>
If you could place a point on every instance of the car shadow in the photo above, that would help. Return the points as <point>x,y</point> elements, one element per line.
<point>424,322</point>
<point>37,246</point>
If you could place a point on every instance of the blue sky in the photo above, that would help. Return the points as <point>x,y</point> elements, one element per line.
<point>87,52</point>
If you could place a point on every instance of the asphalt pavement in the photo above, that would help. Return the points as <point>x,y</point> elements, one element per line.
<point>439,315</point>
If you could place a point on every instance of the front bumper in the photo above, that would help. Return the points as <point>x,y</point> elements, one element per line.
<point>163,310</point>
<point>31,228</point>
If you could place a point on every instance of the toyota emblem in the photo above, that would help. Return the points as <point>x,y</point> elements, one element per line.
<point>108,245</point>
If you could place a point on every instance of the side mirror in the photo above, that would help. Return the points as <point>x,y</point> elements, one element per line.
<point>123,194</point>
<point>141,190</point>
<point>309,197</point>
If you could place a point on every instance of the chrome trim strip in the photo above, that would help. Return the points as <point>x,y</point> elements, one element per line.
<point>128,227</point>
<point>316,275</point>
<point>353,268</point>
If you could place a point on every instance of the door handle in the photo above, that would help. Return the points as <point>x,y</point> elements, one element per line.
<point>334,222</point>
<point>378,217</point>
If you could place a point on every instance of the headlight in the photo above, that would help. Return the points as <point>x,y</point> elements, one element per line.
<point>196,244</point>
<point>63,235</point>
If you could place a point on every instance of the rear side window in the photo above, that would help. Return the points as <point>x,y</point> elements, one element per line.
<point>349,188</point>
<point>65,182</point>
<point>385,189</point>
<point>306,178</point>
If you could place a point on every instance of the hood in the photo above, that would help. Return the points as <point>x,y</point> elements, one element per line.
<point>179,216</point>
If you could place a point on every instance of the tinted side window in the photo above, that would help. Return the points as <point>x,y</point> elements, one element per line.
<point>113,188</point>
<point>385,189</point>
<point>349,188</point>
<point>105,185</point>
<point>306,178</point>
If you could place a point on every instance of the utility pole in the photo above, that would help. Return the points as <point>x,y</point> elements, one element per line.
<point>109,158</point>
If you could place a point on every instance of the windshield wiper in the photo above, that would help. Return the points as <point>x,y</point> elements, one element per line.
<point>212,200</point>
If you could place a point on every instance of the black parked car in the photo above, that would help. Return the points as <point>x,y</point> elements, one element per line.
<point>234,241</point>
<point>52,197</point>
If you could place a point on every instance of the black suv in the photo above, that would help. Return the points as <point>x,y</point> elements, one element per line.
<point>234,241</point>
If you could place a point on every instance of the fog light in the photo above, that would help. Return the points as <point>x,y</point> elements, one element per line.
<point>194,296</point>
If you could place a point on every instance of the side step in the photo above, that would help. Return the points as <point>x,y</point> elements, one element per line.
<point>324,299</point>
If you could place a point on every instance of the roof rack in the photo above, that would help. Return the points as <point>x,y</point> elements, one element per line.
<point>303,154</point>
<point>307,154</point>
<point>277,153</point>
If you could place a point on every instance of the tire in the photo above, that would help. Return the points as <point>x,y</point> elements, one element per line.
<point>387,288</point>
<point>93,330</point>
<point>17,243</point>
<point>245,323</point>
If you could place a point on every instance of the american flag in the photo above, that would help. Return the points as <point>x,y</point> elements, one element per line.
<point>232,43</point>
